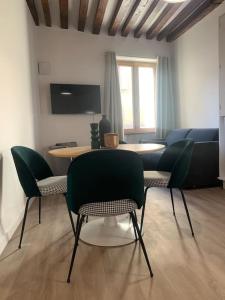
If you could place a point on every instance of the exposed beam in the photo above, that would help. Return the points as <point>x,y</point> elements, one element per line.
<point>183,15</point>
<point>127,27</point>
<point>47,14</point>
<point>195,17</point>
<point>99,15</point>
<point>63,5</point>
<point>33,11</point>
<point>138,31</point>
<point>163,18</point>
<point>82,14</point>
<point>116,19</point>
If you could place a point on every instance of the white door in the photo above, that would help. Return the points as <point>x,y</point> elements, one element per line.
<point>222,63</point>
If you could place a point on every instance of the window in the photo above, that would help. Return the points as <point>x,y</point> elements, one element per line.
<point>137,86</point>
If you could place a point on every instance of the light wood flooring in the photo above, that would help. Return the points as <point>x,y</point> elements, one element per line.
<point>184,268</point>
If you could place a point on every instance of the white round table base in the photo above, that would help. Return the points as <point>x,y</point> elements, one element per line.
<point>108,232</point>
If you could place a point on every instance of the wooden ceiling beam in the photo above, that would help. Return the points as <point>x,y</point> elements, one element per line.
<point>46,11</point>
<point>82,14</point>
<point>197,15</point>
<point>99,15</point>
<point>138,31</point>
<point>116,19</point>
<point>163,18</point>
<point>127,27</point>
<point>183,15</point>
<point>63,6</point>
<point>33,11</point>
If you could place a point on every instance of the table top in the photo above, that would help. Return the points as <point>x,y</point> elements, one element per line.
<point>71,152</point>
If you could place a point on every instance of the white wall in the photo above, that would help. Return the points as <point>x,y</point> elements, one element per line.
<point>77,57</point>
<point>18,114</point>
<point>197,67</point>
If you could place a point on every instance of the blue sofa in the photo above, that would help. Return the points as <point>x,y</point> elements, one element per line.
<point>204,170</point>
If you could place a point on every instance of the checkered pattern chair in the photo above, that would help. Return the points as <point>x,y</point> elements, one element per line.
<point>106,183</point>
<point>171,173</point>
<point>36,179</point>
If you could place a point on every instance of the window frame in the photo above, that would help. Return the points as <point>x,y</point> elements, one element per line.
<point>135,93</point>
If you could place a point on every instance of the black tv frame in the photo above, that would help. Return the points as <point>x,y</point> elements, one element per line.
<point>64,97</point>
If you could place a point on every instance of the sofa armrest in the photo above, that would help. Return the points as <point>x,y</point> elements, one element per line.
<point>204,168</point>
<point>152,141</point>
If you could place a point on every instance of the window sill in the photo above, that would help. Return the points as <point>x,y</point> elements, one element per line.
<point>139,131</point>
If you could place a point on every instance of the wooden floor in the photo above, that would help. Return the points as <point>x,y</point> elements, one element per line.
<point>184,268</point>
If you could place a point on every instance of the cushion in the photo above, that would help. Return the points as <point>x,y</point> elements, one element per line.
<point>204,134</point>
<point>110,208</point>
<point>156,178</point>
<point>53,185</point>
<point>176,135</point>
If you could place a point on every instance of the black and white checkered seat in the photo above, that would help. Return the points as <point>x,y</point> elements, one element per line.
<point>53,185</point>
<point>156,178</point>
<point>111,208</point>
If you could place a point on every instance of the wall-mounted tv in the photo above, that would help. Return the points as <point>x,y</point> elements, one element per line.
<point>75,98</point>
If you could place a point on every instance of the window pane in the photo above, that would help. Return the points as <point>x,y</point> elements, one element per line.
<point>146,97</point>
<point>125,75</point>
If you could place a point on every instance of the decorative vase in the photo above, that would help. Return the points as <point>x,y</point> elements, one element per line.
<point>95,143</point>
<point>104,127</point>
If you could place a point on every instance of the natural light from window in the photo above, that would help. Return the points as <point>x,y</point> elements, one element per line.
<point>146,97</point>
<point>137,86</point>
<point>126,96</point>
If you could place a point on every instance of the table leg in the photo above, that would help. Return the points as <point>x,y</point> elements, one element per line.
<point>108,232</point>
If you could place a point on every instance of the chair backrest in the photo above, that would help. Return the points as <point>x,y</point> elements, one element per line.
<point>181,167</point>
<point>105,175</point>
<point>30,167</point>
<point>171,155</point>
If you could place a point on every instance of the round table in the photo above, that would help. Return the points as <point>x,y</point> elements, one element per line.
<point>109,231</point>
<point>72,152</point>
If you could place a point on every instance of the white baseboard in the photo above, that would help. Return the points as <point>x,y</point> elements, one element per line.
<point>6,236</point>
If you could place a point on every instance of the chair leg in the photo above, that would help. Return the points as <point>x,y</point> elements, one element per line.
<point>143,209</point>
<point>24,221</point>
<point>135,232</point>
<point>172,200</point>
<point>39,210</point>
<point>142,242</point>
<point>77,223</point>
<point>187,212</point>
<point>71,219</point>
<point>75,247</point>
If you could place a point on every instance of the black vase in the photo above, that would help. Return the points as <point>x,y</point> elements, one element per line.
<point>95,143</point>
<point>104,127</point>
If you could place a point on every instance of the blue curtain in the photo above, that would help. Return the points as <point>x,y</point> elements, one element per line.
<point>165,101</point>
<point>112,100</point>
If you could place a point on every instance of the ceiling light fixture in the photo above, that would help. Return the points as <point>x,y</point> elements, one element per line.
<point>66,93</point>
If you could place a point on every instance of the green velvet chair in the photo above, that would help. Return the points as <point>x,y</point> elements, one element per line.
<point>36,179</point>
<point>106,183</point>
<point>171,173</point>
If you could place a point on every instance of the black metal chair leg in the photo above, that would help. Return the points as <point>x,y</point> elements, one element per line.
<point>172,200</point>
<point>75,247</point>
<point>143,209</point>
<point>71,219</point>
<point>187,212</point>
<point>135,232</point>
<point>77,223</point>
<point>39,210</point>
<point>142,243</point>
<point>24,221</point>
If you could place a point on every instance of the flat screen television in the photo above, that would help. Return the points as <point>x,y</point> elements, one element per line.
<point>75,98</point>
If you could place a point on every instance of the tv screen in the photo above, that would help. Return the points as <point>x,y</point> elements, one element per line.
<point>75,98</point>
